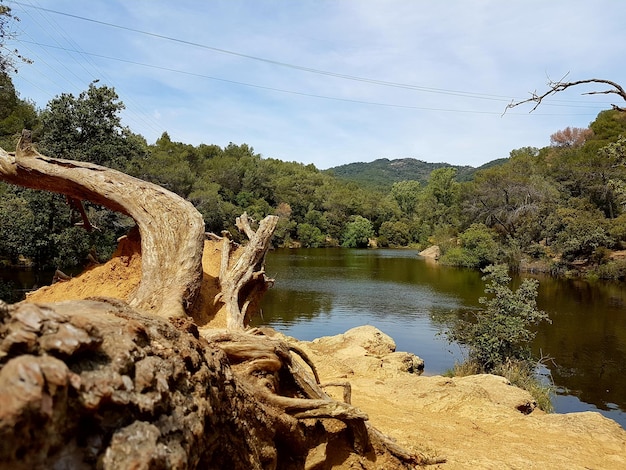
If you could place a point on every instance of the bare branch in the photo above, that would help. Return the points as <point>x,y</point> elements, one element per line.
<point>560,85</point>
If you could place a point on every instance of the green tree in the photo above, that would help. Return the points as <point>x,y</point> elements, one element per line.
<point>439,205</point>
<point>502,331</point>
<point>89,128</point>
<point>357,233</point>
<point>310,236</point>
<point>478,248</point>
<point>168,164</point>
<point>15,114</point>
<point>394,233</point>
<point>407,195</point>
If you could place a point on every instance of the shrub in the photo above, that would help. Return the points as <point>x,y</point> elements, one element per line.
<point>498,337</point>
<point>500,333</point>
<point>357,233</point>
<point>310,236</point>
<point>477,249</point>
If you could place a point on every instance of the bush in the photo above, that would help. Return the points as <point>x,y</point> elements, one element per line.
<point>500,333</point>
<point>498,337</point>
<point>478,248</point>
<point>310,236</point>
<point>394,233</point>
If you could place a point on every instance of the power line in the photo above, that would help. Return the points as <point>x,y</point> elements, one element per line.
<point>292,92</point>
<point>95,72</point>
<point>466,94</point>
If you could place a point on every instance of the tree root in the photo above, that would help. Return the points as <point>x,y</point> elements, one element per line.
<point>287,391</point>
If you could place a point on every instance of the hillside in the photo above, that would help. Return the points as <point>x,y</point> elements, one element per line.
<point>382,173</point>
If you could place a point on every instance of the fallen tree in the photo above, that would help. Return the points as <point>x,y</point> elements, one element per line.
<point>108,383</point>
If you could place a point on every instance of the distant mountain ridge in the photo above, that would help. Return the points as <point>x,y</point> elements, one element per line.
<point>382,173</point>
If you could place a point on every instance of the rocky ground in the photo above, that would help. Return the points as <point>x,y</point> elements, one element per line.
<point>472,422</point>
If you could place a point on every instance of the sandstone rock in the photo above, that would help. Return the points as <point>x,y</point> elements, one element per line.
<point>432,252</point>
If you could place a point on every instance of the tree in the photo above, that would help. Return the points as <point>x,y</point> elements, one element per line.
<point>15,113</point>
<point>439,205</point>
<point>89,128</point>
<point>310,236</point>
<point>357,233</point>
<point>478,248</point>
<point>407,194</point>
<point>570,137</point>
<point>559,86</point>
<point>8,57</point>
<point>511,196</point>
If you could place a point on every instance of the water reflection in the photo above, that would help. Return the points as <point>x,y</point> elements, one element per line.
<point>323,292</point>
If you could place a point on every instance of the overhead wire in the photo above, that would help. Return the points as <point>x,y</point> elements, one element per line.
<point>134,113</point>
<point>467,94</point>
<point>311,95</point>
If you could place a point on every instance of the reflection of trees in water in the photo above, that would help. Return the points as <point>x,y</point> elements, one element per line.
<point>9,292</point>
<point>289,306</point>
<point>587,339</point>
<point>590,366</point>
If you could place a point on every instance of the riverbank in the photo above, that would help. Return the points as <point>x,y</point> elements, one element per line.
<point>477,422</point>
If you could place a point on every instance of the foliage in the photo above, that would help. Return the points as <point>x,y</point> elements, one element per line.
<point>501,332</point>
<point>407,195</point>
<point>8,57</point>
<point>477,248</point>
<point>570,137</point>
<point>15,114</point>
<point>395,233</point>
<point>381,174</point>
<point>310,236</point>
<point>562,203</point>
<point>357,233</point>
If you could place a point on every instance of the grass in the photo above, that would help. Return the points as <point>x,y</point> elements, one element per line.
<point>520,374</point>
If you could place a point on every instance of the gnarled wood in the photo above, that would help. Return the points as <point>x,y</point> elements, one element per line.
<point>171,229</point>
<point>244,281</point>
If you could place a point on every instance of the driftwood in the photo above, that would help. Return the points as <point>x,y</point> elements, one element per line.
<point>108,384</point>
<point>243,281</point>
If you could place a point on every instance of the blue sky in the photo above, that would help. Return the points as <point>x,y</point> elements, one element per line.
<point>330,82</point>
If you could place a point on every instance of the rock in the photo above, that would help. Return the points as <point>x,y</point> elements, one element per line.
<point>366,350</point>
<point>478,421</point>
<point>124,391</point>
<point>432,252</point>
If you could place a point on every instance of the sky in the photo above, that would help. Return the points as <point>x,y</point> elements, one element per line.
<point>331,82</point>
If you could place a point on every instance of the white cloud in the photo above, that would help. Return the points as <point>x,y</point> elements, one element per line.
<point>494,49</point>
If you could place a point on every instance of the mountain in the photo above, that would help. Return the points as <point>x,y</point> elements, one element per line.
<point>382,173</point>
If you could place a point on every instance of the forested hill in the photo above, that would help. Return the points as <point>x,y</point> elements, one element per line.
<point>382,173</point>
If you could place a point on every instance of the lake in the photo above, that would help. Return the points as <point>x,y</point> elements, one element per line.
<point>322,292</point>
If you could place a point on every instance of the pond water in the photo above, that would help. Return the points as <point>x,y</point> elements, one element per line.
<point>321,292</point>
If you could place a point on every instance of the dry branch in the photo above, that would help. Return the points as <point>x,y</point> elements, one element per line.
<point>560,85</point>
<point>244,281</point>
